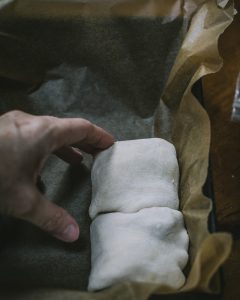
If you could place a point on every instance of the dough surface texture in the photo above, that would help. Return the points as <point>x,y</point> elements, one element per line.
<point>136,174</point>
<point>147,246</point>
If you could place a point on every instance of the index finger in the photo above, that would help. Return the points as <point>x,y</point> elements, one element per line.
<point>80,132</point>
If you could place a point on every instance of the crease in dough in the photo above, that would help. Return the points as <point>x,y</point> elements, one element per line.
<point>137,232</point>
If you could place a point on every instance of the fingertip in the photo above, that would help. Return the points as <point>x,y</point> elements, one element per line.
<point>106,140</point>
<point>69,234</point>
<point>111,139</point>
<point>50,217</point>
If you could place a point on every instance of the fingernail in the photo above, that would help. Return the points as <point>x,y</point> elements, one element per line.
<point>71,233</point>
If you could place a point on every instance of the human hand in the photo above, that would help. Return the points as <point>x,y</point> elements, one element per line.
<point>26,141</point>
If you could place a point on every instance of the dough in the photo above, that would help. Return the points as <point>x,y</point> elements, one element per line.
<point>135,174</point>
<point>140,235</point>
<point>147,246</point>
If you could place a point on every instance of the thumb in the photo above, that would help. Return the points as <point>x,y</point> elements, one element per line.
<point>51,218</point>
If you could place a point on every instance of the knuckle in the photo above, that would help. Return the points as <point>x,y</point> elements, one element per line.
<point>55,223</point>
<point>48,120</point>
<point>18,119</point>
<point>85,124</point>
<point>88,125</point>
<point>19,204</point>
<point>50,126</point>
<point>15,114</point>
<point>23,208</point>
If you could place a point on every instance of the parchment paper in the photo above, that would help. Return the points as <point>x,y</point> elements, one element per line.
<point>110,62</point>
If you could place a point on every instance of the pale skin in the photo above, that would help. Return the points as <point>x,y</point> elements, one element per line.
<point>26,141</point>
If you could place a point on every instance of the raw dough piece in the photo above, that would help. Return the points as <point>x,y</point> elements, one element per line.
<point>148,246</point>
<point>135,174</point>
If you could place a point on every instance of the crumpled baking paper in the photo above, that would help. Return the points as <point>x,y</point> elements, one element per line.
<point>128,66</point>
